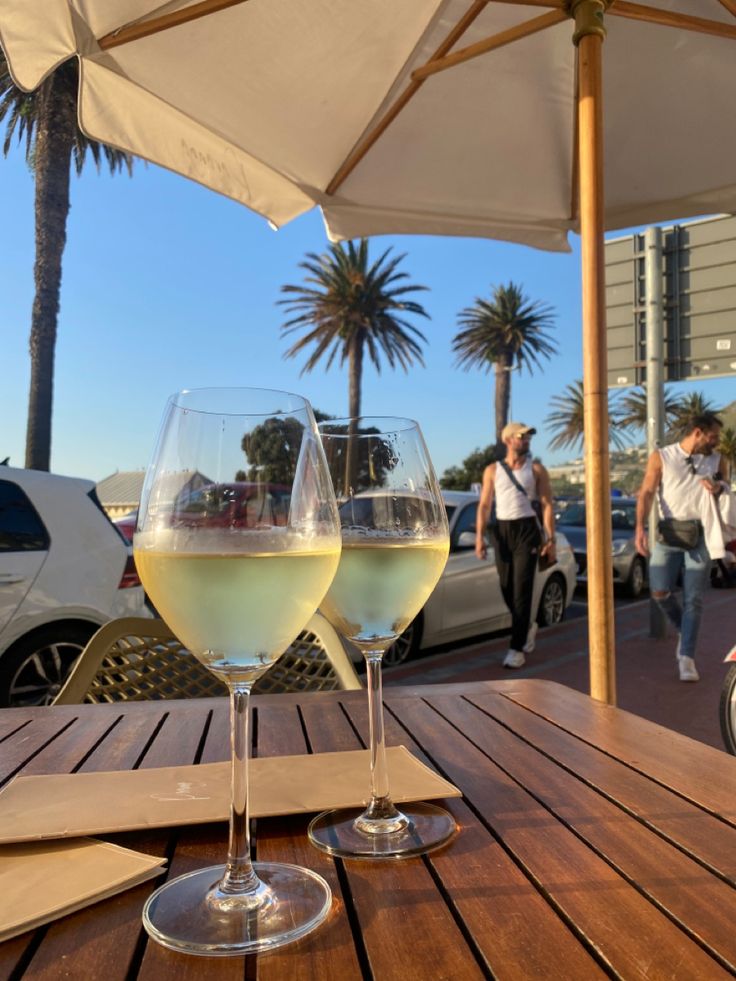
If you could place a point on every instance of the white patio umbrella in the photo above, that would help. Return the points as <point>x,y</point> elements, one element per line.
<point>443,117</point>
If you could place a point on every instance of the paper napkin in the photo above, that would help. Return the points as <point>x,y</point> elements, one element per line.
<point>67,805</point>
<point>40,882</point>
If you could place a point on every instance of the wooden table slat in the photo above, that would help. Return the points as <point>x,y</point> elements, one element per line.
<point>692,895</point>
<point>697,831</point>
<point>708,779</point>
<point>576,880</point>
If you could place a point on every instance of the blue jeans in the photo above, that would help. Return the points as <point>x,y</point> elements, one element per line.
<point>665,564</point>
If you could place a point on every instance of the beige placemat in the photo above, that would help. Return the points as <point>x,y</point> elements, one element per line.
<point>67,805</point>
<point>42,881</point>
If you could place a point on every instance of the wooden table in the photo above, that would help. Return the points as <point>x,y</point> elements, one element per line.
<point>592,843</point>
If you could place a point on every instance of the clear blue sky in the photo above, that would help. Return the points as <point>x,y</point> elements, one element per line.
<point>167,286</point>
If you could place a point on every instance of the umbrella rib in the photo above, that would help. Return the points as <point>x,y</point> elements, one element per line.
<point>439,61</point>
<point>730,6</point>
<point>364,146</point>
<point>137,30</point>
<point>665,18</point>
<point>516,33</point>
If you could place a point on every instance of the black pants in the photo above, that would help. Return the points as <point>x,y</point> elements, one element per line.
<point>516,544</point>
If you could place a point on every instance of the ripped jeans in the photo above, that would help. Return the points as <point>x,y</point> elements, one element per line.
<point>665,564</point>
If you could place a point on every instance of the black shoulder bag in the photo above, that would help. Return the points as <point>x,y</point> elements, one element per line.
<point>678,533</point>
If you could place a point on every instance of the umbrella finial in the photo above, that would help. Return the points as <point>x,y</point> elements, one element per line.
<point>588,16</point>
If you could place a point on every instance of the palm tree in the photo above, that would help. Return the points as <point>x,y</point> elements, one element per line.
<point>47,120</point>
<point>633,409</point>
<point>687,407</point>
<point>351,308</point>
<point>567,419</point>
<point>505,332</point>
<point>727,449</point>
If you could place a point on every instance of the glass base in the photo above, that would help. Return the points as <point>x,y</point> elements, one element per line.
<point>290,903</point>
<point>338,833</point>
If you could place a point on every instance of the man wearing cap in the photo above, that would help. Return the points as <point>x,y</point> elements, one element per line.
<point>517,484</point>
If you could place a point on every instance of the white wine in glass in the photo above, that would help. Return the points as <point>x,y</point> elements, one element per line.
<point>237,541</point>
<point>395,542</point>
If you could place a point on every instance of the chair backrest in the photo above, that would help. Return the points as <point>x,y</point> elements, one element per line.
<point>135,659</point>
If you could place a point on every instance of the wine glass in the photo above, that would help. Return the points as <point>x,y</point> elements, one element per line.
<point>237,541</point>
<point>395,541</point>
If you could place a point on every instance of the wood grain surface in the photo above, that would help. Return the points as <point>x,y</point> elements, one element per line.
<point>592,843</point>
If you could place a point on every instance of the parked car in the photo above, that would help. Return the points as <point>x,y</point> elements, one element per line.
<point>126,525</point>
<point>629,568</point>
<point>467,600</point>
<point>64,571</point>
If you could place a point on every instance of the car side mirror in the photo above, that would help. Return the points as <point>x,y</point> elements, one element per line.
<point>466,539</point>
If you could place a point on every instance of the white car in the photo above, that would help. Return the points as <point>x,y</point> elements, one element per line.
<point>64,571</point>
<point>467,600</point>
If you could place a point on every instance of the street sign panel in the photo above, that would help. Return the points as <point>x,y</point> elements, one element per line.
<point>699,297</point>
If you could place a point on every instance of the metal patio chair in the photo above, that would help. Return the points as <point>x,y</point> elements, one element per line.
<point>138,659</point>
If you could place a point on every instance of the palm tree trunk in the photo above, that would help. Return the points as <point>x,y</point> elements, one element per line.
<point>502,370</point>
<point>355,381</point>
<point>55,135</point>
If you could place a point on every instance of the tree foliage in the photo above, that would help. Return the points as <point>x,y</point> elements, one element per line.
<point>567,419</point>
<point>470,471</point>
<point>633,412</point>
<point>348,308</point>
<point>688,406</point>
<point>45,120</point>
<point>507,332</point>
<point>727,448</point>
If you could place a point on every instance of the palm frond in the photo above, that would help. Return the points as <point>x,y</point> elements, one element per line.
<point>349,305</point>
<point>567,419</point>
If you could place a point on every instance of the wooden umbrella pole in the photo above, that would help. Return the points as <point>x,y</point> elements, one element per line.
<point>589,37</point>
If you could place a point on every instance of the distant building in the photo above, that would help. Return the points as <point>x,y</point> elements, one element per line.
<point>120,493</point>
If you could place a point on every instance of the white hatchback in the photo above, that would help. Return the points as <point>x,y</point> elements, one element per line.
<point>467,600</point>
<point>64,571</point>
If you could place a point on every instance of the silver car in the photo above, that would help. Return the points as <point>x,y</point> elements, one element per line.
<point>629,567</point>
<point>467,600</point>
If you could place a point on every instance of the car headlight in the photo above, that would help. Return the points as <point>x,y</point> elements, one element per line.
<point>622,545</point>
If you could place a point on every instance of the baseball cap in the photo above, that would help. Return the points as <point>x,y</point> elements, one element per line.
<point>517,429</point>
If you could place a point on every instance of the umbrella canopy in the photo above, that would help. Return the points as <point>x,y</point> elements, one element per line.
<point>442,117</point>
<point>264,101</point>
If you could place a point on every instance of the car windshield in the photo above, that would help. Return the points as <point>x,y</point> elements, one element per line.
<point>451,509</point>
<point>573,516</point>
<point>623,516</point>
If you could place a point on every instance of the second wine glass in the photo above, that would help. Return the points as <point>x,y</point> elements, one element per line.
<point>395,542</point>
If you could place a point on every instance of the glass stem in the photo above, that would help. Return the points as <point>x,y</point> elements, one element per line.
<point>381,807</point>
<point>239,878</point>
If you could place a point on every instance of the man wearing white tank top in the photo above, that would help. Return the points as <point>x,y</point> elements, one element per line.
<point>518,542</point>
<point>678,475</point>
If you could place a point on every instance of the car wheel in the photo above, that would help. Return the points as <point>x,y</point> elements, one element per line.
<point>637,578</point>
<point>552,601</point>
<point>34,669</point>
<point>406,646</point>
<point>728,710</point>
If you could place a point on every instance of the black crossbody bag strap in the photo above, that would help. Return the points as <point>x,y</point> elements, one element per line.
<point>510,474</point>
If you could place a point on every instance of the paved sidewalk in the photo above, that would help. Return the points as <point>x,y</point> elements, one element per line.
<point>646,670</point>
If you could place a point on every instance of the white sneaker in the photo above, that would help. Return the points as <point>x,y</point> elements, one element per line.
<point>531,638</point>
<point>514,659</point>
<point>688,671</point>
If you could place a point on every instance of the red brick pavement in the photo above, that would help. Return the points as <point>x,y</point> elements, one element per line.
<point>646,671</point>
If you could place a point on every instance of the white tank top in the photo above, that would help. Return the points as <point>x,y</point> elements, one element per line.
<point>680,492</point>
<point>510,502</point>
